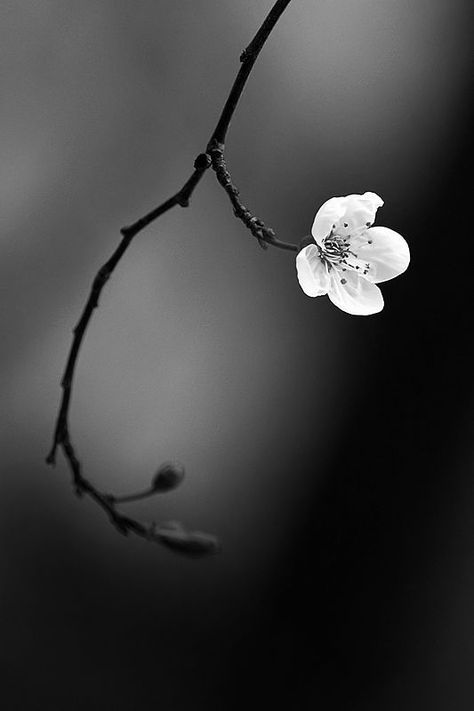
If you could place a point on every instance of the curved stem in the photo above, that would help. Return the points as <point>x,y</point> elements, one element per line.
<point>195,543</point>
<point>138,496</point>
<point>61,434</point>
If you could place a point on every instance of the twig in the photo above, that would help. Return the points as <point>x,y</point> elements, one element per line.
<point>193,543</point>
<point>61,434</point>
<point>265,235</point>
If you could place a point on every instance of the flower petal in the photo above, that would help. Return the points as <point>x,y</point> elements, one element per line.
<point>354,294</point>
<point>385,250</point>
<point>361,210</point>
<point>312,272</point>
<point>347,213</point>
<point>328,215</point>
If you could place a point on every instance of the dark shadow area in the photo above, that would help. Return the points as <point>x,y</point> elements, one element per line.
<point>359,614</point>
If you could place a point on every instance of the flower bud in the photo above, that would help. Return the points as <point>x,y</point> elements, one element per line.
<point>169,476</point>
<point>191,543</point>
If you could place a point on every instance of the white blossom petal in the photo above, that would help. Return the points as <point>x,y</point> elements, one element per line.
<point>354,294</point>
<point>385,250</point>
<point>360,211</point>
<point>328,215</point>
<point>347,214</point>
<point>353,263</point>
<point>312,272</point>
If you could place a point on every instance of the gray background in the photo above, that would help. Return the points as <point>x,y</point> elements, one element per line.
<point>330,453</point>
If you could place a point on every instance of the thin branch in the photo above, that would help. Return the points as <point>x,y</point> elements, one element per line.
<point>129,498</point>
<point>248,59</point>
<point>61,434</point>
<point>193,543</point>
<point>265,235</point>
<point>216,145</point>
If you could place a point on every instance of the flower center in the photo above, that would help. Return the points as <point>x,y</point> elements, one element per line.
<point>335,248</point>
<point>336,252</point>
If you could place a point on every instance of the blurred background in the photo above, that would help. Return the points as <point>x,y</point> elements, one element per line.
<point>331,454</point>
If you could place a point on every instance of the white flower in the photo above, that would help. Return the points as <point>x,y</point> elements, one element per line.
<point>349,256</point>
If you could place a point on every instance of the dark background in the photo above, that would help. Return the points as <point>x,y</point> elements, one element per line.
<point>332,454</point>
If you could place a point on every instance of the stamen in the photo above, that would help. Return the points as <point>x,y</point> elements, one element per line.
<point>335,251</point>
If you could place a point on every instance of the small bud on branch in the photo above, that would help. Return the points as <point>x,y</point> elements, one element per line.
<point>168,477</point>
<point>191,543</point>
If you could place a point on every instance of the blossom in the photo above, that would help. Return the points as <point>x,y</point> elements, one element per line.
<point>349,257</point>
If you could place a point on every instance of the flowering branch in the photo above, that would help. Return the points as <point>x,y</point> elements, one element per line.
<point>174,536</point>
